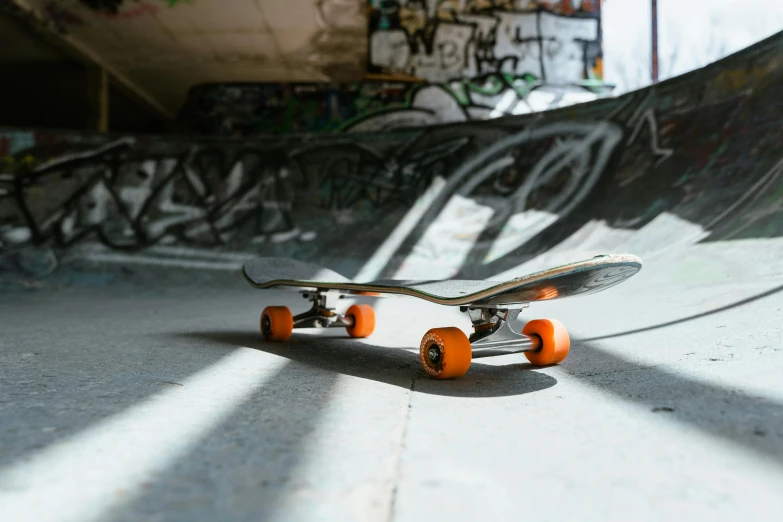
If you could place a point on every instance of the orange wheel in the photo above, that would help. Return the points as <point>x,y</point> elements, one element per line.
<point>277,323</point>
<point>445,353</point>
<point>552,338</point>
<point>363,320</point>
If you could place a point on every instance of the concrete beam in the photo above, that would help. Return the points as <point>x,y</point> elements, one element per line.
<point>85,55</point>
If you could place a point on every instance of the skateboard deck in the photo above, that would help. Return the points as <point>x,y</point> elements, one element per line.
<point>579,278</point>
<point>493,307</point>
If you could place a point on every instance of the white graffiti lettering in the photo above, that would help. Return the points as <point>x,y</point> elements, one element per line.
<point>554,47</point>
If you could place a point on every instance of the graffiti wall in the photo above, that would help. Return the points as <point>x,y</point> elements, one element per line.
<point>442,40</point>
<point>253,109</point>
<point>473,198</point>
<point>430,62</point>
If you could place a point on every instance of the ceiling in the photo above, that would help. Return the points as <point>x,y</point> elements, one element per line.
<point>161,48</point>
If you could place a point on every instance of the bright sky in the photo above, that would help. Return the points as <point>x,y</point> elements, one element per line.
<point>691,33</point>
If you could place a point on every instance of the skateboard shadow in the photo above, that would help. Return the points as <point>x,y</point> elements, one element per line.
<point>395,366</point>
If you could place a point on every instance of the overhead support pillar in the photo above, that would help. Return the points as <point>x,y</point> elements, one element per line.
<point>98,95</point>
<point>654,53</point>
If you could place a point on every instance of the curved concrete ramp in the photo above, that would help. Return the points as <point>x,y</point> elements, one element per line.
<point>694,159</point>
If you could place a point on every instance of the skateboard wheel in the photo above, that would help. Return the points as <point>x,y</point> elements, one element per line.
<point>445,353</point>
<point>363,320</point>
<point>552,338</point>
<point>277,323</point>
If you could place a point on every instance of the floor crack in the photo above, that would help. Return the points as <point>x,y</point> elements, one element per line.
<point>400,450</point>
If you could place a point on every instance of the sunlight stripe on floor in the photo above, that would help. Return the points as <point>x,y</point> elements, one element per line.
<point>85,476</point>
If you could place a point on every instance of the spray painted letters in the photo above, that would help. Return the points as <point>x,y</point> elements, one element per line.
<point>437,44</point>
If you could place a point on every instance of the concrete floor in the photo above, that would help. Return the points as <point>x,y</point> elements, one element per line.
<point>133,404</point>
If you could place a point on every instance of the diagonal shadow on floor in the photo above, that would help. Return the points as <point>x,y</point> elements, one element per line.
<point>725,308</point>
<point>753,422</point>
<point>245,467</point>
<point>393,366</point>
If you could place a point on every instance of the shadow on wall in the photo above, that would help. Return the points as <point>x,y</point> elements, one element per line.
<point>696,158</point>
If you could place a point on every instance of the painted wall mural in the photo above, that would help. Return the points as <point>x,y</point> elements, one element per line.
<point>252,109</point>
<point>442,40</point>
<point>471,199</point>
<point>429,62</point>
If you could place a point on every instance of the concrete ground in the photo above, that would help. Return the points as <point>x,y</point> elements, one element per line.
<point>119,403</point>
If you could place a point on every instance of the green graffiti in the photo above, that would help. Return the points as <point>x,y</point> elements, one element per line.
<point>288,108</point>
<point>491,85</point>
<point>522,85</point>
<point>174,3</point>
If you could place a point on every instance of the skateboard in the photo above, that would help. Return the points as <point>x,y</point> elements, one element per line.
<point>493,306</point>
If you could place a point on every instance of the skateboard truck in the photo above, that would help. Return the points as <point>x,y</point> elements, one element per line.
<point>320,315</point>
<point>277,322</point>
<point>491,329</point>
